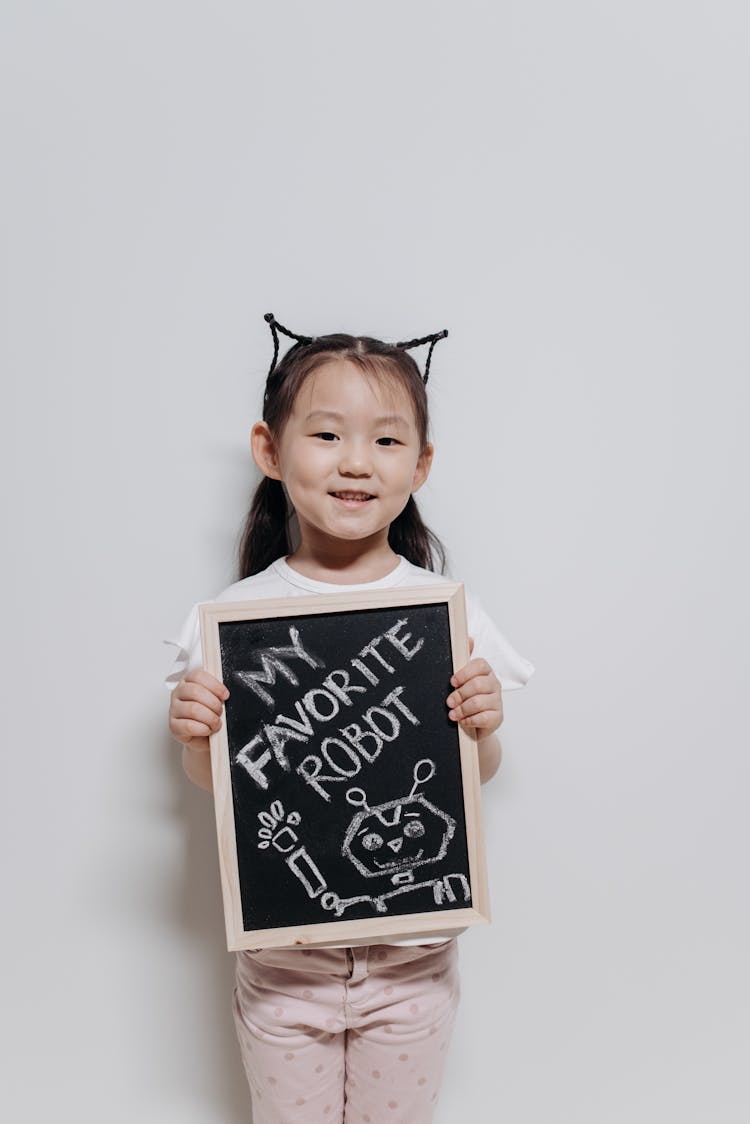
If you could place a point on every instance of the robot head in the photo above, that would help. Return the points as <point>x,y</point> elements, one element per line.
<point>400,835</point>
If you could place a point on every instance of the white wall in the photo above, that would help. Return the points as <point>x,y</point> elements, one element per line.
<point>565,187</point>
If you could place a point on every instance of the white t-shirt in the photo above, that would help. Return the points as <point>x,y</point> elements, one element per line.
<point>280,580</point>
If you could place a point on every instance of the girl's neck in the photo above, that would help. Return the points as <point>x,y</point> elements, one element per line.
<point>342,562</point>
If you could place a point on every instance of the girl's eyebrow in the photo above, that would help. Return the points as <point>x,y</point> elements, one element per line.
<point>324,414</point>
<point>387,419</point>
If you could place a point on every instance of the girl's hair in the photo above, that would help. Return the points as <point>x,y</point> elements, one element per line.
<point>266,532</point>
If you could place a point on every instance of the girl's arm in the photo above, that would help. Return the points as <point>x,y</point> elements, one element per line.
<point>195,710</point>
<point>476,703</point>
<point>197,765</point>
<point>490,755</point>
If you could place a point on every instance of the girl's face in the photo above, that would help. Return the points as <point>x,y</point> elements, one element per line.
<point>349,454</point>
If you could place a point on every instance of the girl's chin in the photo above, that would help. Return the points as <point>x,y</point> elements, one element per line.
<point>353,534</point>
<point>349,530</point>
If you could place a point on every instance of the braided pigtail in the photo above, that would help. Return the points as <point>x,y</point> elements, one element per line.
<point>431,340</point>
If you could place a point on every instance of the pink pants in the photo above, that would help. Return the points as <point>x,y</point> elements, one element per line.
<point>357,1035</point>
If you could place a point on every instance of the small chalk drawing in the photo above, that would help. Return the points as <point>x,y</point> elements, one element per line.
<point>390,840</point>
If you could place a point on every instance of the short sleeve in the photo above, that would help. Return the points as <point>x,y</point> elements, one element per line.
<point>512,669</point>
<point>188,655</point>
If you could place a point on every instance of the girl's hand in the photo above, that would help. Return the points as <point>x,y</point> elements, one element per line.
<point>195,709</point>
<point>477,702</point>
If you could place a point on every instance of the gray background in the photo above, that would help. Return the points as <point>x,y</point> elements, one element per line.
<point>565,187</point>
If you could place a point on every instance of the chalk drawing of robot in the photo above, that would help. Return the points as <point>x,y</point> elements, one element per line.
<point>390,840</point>
<point>397,837</point>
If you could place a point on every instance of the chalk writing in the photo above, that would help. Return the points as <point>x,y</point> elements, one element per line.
<point>272,663</point>
<point>338,758</point>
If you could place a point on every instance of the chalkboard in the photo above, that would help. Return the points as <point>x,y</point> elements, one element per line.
<point>347,802</point>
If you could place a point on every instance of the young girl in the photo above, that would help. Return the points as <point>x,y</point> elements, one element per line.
<point>344,1034</point>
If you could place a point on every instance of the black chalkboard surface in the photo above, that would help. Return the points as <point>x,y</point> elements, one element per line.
<point>347,802</point>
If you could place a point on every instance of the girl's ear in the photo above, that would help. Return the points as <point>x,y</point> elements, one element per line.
<point>422,471</point>
<point>264,450</point>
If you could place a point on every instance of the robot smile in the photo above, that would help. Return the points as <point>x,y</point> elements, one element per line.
<point>399,862</point>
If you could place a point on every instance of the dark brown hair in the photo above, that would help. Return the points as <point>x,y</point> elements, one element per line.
<point>265,536</point>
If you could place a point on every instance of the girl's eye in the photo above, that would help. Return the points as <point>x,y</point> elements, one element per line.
<point>386,441</point>
<point>326,436</point>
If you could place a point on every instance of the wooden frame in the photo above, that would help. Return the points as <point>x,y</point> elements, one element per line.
<point>445,914</point>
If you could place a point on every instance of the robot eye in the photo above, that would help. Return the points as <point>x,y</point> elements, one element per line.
<point>372,841</point>
<point>414,829</point>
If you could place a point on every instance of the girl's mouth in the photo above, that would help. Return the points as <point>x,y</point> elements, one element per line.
<point>353,498</point>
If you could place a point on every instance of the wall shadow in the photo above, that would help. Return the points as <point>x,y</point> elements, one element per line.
<point>197,911</point>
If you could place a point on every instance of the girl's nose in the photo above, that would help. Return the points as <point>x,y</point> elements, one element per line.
<point>355,461</point>
<point>395,845</point>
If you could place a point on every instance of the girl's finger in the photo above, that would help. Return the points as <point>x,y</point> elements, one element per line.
<point>196,692</point>
<point>478,685</point>
<point>184,729</point>
<point>470,669</point>
<point>474,706</point>
<point>196,712</point>
<point>206,679</point>
<point>485,720</point>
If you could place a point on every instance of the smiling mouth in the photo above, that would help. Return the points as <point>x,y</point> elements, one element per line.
<point>352,497</point>
<point>397,862</point>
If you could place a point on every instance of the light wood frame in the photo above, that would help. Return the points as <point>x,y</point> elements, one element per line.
<point>361,931</point>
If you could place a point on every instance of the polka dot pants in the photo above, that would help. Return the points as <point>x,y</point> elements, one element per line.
<point>352,1035</point>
